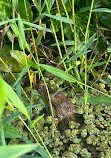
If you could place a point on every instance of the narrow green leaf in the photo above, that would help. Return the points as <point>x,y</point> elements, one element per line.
<point>67,43</point>
<point>38,149</point>
<point>63,19</point>
<point>8,119</point>
<point>22,33</point>
<point>14,4</point>
<point>14,151</point>
<point>77,55</point>
<point>106,10</point>
<point>58,72</point>
<point>37,26</point>
<point>50,3</point>
<point>97,100</point>
<point>21,75</point>
<point>7,21</point>
<point>85,9</point>
<point>37,119</point>
<point>83,50</point>
<point>100,63</point>
<point>2,136</point>
<point>39,38</point>
<point>12,96</point>
<point>2,97</point>
<point>18,89</point>
<point>36,5</point>
<point>11,132</point>
<point>14,28</point>
<point>69,51</point>
<point>21,58</point>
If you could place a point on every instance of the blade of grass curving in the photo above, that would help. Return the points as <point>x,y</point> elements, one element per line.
<point>85,9</point>
<point>18,89</point>
<point>39,38</point>
<point>7,21</point>
<point>13,151</point>
<point>69,51</point>
<point>36,120</point>
<point>63,19</point>
<point>77,73</point>
<point>36,4</point>
<point>100,63</point>
<point>8,119</point>
<point>10,131</point>
<point>12,96</point>
<point>105,10</point>
<point>58,72</point>
<point>21,32</point>
<point>67,43</point>
<point>50,3</point>
<point>83,49</point>
<point>21,75</point>
<point>30,156</point>
<point>77,55</point>
<point>36,26</point>
<point>38,149</point>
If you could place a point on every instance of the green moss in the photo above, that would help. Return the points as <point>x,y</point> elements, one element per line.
<point>84,133</point>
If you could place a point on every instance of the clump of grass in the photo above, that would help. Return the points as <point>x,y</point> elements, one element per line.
<point>78,33</point>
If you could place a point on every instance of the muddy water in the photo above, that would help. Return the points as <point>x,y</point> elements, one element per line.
<point>63,109</point>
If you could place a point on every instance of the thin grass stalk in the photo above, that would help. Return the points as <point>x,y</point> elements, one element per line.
<point>106,64</point>
<point>73,14</point>
<point>31,88</point>
<point>13,14</point>
<point>67,14</point>
<point>86,34</point>
<point>42,141</point>
<point>62,33</point>
<point>34,135</point>
<point>29,73</point>
<point>29,130</point>
<point>94,89</point>
<point>60,53</point>
<point>27,66</point>
<point>89,19</point>
<point>46,89</point>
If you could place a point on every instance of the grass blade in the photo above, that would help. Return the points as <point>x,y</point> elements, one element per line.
<point>37,26</point>
<point>83,49</point>
<point>58,72</point>
<point>21,32</point>
<point>97,100</point>
<point>62,19</point>
<point>12,96</point>
<point>13,151</point>
<point>7,21</point>
<point>21,75</point>
<point>106,10</point>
